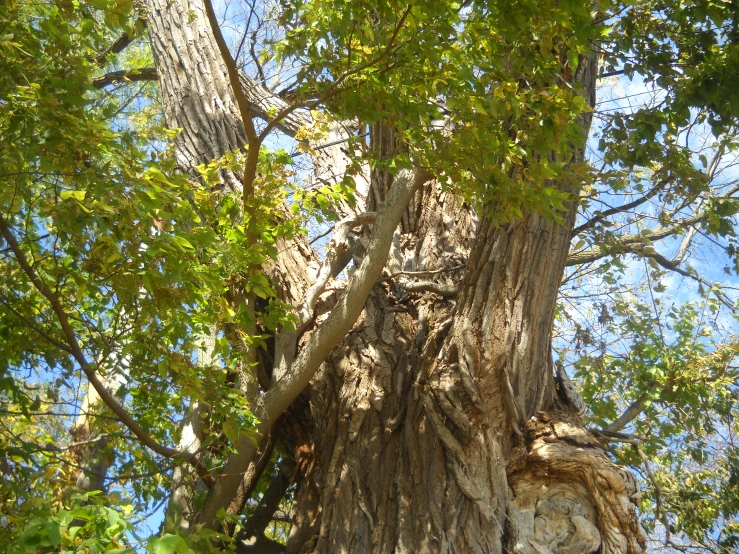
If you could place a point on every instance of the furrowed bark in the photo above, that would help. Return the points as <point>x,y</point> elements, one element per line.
<point>434,425</point>
<point>320,344</point>
<point>437,426</point>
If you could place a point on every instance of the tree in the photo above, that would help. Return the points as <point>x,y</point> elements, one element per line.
<point>399,390</point>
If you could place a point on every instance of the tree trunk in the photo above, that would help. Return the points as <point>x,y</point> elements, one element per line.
<point>436,425</point>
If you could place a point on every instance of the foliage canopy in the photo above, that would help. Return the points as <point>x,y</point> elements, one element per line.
<point>115,263</point>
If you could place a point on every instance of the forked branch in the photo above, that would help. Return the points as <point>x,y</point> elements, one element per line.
<point>336,259</point>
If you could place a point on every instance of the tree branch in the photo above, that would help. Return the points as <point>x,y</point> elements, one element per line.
<point>131,75</point>
<point>50,447</point>
<point>253,474</point>
<point>120,44</point>
<point>447,291</point>
<point>320,344</point>
<point>631,413</point>
<point>600,216</point>
<point>89,371</point>
<point>268,505</point>
<point>659,510</point>
<point>606,436</point>
<point>634,243</point>
<point>423,272</point>
<point>674,265</point>
<point>38,330</point>
<point>336,259</point>
<point>264,102</point>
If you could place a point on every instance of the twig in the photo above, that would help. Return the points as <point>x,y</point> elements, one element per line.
<point>659,511</point>
<point>602,215</point>
<point>446,291</point>
<point>423,272</point>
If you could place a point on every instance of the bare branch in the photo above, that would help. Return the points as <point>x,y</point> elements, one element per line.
<point>631,413</point>
<point>51,447</point>
<point>253,473</point>
<point>673,265</point>
<point>607,436</point>
<point>254,57</point>
<point>269,503</point>
<point>32,325</point>
<point>424,272</point>
<point>446,291</point>
<point>264,102</point>
<point>600,216</point>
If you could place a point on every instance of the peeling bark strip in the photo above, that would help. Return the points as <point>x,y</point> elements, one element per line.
<point>431,422</point>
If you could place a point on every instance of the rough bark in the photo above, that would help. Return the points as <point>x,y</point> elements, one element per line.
<point>435,425</point>
<point>91,461</point>
<point>197,98</point>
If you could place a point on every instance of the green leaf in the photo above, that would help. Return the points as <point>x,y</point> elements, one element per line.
<point>168,544</point>
<point>53,531</point>
<point>78,195</point>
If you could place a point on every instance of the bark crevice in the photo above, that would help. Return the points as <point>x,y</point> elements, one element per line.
<point>407,436</point>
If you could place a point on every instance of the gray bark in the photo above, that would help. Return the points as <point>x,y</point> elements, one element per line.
<point>179,510</point>
<point>432,423</point>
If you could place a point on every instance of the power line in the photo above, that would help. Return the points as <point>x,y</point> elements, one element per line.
<point>627,96</point>
<point>334,143</point>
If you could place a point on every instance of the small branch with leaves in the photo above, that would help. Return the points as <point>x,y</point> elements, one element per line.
<point>88,369</point>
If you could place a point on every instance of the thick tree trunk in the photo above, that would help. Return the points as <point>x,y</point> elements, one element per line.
<point>435,426</point>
